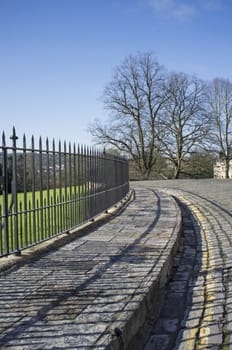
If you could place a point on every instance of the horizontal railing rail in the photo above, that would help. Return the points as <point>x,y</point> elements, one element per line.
<point>47,191</point>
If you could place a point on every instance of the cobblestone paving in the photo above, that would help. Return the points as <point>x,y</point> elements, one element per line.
<point>86,293</point>
<point>98,287</point>
<point>197,312</point>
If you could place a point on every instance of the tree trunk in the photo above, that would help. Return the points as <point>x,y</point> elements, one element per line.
<point>177,171</point>
<point>227,164</point>
<point>146,174</point>
<point>176,174</point>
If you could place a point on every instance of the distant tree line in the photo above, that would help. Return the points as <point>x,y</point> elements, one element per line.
<point>169,125</point>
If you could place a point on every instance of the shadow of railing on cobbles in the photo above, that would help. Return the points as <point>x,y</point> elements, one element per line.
<point>53,304</point>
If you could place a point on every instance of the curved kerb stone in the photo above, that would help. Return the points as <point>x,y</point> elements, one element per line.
<point>157,245</point>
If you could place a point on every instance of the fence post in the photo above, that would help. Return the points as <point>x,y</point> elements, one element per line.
<point>14,191</point>
<point>5,194</point>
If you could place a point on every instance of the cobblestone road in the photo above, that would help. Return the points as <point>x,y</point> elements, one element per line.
<point>197,312</point>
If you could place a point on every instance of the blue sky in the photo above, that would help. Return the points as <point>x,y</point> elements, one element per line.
<point>56,56</point>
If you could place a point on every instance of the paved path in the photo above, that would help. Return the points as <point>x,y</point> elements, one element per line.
<point>197,312</point>
<point>96,291</point>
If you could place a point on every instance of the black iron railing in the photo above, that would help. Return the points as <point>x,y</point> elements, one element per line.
<point>46,192</point>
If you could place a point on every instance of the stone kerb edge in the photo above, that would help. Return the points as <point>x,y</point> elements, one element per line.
<point>124,335</point>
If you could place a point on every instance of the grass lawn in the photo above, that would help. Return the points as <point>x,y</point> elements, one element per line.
<point>39,215</point>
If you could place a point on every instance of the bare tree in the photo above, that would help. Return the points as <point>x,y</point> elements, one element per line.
<point>220,104</point>
<point>134,97</point>
<point>185,122</point>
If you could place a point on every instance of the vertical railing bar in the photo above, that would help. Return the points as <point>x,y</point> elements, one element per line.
<point>48,219</point>
<point>93,176</point>
<point>102,179</point>
<point>92,181</point>
<point>75,182</point>
<point>11,231</point>
<point>99,179</point>
<point>63,204</point>
<point>25,191</point>
<point>45,216</point>
<point>30,221</point>
<point>95,180</point>
<point>65,187</point>
<point>85,184</point>
<point>83,181</point>
<point>97,185</point>
<point>54,186</point>
<point>40,226</point>
<point>33,233</point>
<point>37,212</point>
<point>14,192</point>
<point>58,213</point>
<point>5,194</point>
<point>79,184</point>
<point>60,186</point>
<point>107,170</point>
<point>52,232</point>
<point>70,184</point>
<point>1,209</point>
<point>1,232</point>
<point>114,179</point>
<point>99,196</point>
<point>88,182</point>
<point>82,201</point>
<point>104,170</point>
